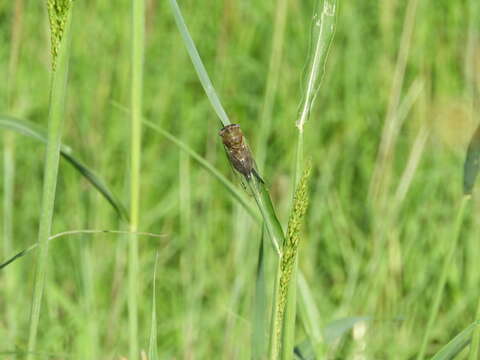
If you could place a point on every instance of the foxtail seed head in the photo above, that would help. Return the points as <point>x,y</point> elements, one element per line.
<point>290,247</point>
<point>57,14</point>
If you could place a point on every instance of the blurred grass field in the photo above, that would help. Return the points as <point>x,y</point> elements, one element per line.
<point>374,241</point>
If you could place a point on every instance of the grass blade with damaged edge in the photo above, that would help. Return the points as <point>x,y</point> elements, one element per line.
<point>152,346</point>
<point>281,341</point>
<point>443,276</point>
<point>34,131</point>
<point>73,232</point>
<point>457,344</point>
<point>259,333</point>
<point>60,15</point>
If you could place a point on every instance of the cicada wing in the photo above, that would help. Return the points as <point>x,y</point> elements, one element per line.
<point>255,171</point>
<point>238,176</point>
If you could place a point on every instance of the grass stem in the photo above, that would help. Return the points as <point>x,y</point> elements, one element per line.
<point>55,126</point>
<point>138,30</point>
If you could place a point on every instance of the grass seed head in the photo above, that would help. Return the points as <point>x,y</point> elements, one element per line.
<point>290,248</point>
<point>57,14</point>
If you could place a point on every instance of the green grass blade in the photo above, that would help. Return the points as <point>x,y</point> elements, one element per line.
<point>309,313</point>
<point>272,81</point>
<point>35,132</point>
<point>457,344</point>
<point>259,333</point>
<point>229,186</point>
<point>136,97</point>
<point>198,64</point>
<point>59,14</point>
<point>152,346</point>
<point>265,205</point>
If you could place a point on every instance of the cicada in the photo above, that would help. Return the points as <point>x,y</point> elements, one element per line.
<point>238,151</point>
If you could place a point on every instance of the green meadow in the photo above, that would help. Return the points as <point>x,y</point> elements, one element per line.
<point>157,254</point>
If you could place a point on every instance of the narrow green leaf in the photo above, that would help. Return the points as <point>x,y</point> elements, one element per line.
<point>265,205</point>
<point>198,64</point>
<point>457,344</point>
<point>259,333</point>
<point>309,313</point>
<point>472,163</point>
<point>36,132</point>
<point>152,346</point>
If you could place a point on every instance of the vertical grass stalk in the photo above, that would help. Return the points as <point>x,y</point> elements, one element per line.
<point>138,30</point>
<point>443,276</point>
<point>9,167</point>
<point>323,33</point>
<point>272,82</point>
<point>381,174</point>
<point>60,14</point>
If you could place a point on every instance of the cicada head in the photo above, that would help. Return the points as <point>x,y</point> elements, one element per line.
<point>232,135</point>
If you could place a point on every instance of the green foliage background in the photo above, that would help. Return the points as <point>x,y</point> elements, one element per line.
<point>359,257</point>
